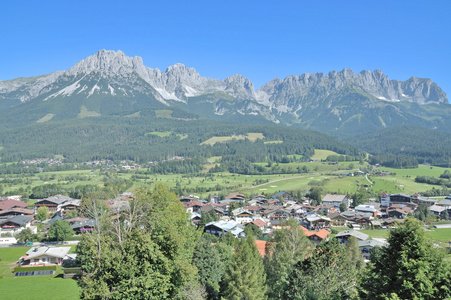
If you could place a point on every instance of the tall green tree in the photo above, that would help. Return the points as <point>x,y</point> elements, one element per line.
<point>284,249</point>
<point>42,213</point>
<point>245,277</point>
<point>409,268</point>
<point>143,251</point>
<point>326,274</point>
<point>60,230</point>
<point>25,235</point>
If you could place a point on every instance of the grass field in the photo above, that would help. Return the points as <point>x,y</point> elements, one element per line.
<point>252,136</point>
<point>159,133</point>
<point>45,118</point>
<point>32,287</point>
<point>323,154</point>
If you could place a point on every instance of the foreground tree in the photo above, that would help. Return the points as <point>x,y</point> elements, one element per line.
<point>144,251</point>
<point>326,274</point>
<point>245,277</point>
<point>285,248</point>
<point>409,268</point>
<point>60,230</point>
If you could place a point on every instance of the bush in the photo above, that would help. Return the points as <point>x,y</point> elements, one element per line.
<point>26,269</point>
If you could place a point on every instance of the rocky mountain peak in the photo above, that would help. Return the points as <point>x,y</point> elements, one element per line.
<point>107,62</point>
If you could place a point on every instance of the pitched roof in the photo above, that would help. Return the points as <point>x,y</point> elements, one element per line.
<point>333,198</point>
<point>192,203</point>
<point>261,246</point>
<point>7,204</point>
<point>323,233</point>
<point>359,235</point>
<point>59,252</point>
<point>259,222</point>
<point>18,210</point>
<point>19,220</point>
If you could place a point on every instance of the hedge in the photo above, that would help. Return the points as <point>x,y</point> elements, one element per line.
<point>29,269</point>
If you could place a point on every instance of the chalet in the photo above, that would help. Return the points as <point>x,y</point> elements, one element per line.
<point>54,203</point>
<point>253,209</point>
<point>328,208</point>
<point>223,227</point>
<point>336,200</point>
<point>296,210</point>
<point>259,223</point>
<point>367,209</point>
<point>336,219</point>
<point>83,226</point>
<point>185,199</point>
<point>45,256</point>
<point>274,202</point>
<point>315,221</point>
<point>234,197</point>
<point>276,216</point>
<point>385,199</point>
<point>399,199</point>
<point>392,221</point>
<point>418,199</point>
<point>399,211</point>
<point>439,211</point>
<point>345,235</point>
<point>70,205</point>
<point>318,236</point>
<point>284,196</point>
<point>11,203</point>
<point>367,246</point>
<point>195,218</point>
<point>16,223</point>
<point>16,211</point>
<point>192,206</point>
<point>242,215</point>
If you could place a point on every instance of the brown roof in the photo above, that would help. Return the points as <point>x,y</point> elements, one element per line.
<point>252,207</point>
<point>259,223</point>
<point>192,203</point>
<point>18,210</point>
<point>6,204</point>
<point>261,246</point>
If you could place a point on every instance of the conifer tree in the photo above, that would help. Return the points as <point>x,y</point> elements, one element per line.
<point>245,277</point>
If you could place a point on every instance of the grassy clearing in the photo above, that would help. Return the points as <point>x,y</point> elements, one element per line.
<point>135,115</point>
<point>252,136</point>
<point>323,154</point>
<point>85,113</point>
<point>45,118</point>
<point>164,114</point>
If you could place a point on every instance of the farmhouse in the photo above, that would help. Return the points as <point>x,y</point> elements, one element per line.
<point>336,200</point>
<point>345,235</point>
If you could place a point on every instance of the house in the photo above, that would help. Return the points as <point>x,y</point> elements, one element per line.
<point>315,221</point>
<point>70,205</point>
<point>55,203</point>
<point>317,236</point>
<point>83,226</point>
<point>195,218</point>
<point>16,223</point>
<point>16,211</point>
<point>418,199</point>
<point>234,197</point>
<point>336,219</point>
<point>214,199</point>
<point>284,196</point>
<point>192,206</point>
<point>242,215</point>
<point>221,227</point>
<point>259,223</point>
<point>345,235</point>
<point>367,209</point>
<point>399,211</point>
<point>184,199</point>
<point>438,211</point>
<point>328,208</point>
<point>367,246</point>
<point>11,203</point>
<point>336,200</point>
<point>45,256</point>
<point>276,215</point>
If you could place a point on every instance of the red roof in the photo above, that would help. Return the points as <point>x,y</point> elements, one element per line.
<point>7,204</point>
<point>323,233</point>
<point>259,223</point>
<point>261,246</point>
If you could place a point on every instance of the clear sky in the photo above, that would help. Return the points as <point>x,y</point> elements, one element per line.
<point>258,39</point>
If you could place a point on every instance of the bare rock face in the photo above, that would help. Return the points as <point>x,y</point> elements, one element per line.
<point>114,74</point>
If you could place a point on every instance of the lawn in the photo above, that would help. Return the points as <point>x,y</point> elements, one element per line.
<point>323,154</point>
<point>32,287</point>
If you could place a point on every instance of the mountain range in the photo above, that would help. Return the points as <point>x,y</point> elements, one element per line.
<point>340,103</point>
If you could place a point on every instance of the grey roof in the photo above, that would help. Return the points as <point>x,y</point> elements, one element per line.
<point>372,243</point>
<point>333,198</point>
<point>436,208</point>
<point>59,252</point>
<point>445,202</point>
<point>365,208</point>
<point>58,199</point>
<point>90,223</point>
<point>19,220</point>
<point>359,235</point>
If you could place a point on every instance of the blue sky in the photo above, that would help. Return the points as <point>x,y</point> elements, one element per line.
<point>258,39</point>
